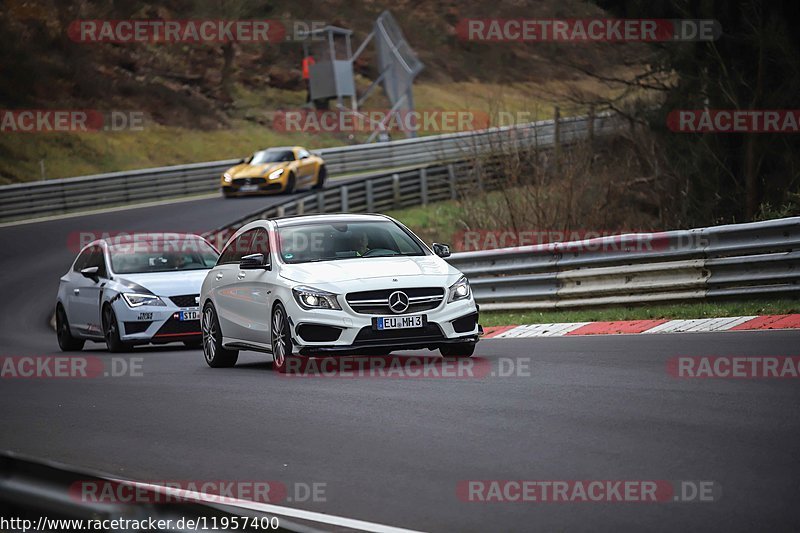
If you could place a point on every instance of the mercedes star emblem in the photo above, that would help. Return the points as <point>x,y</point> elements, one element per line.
<point>398,301</point>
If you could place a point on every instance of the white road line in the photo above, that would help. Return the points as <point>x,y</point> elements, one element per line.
<point>667,327</point>
<point>694,325</point>
<point>701,324</point>
<point>515,332</point>
<point>110,209</point>
<point>124,207</point>
<point>559,330</point>
<point>299,514</point>
<point>735,321</point>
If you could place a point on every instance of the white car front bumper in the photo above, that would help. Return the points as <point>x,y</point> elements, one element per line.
<point>157,324</point>
<point>313,330</point>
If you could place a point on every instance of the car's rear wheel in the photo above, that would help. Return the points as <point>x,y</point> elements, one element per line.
<point>111,331</point>
<point>281,340</point>
<point>459,349</point>
<point>215,354</point>
<point>322,174</point>
<point>66,341</point>
<point>291,182</point>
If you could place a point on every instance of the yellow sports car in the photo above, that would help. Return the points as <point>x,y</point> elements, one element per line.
<point>275,170</point>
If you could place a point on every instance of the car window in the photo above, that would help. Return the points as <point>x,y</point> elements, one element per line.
<point>260,242</point>
<point>301,153</point>
<point>272,156</point>
<point>183,253</point>
<point>83,260</point>
<point>98,259</point>
<point>238,248</point>
<point>332,241</point>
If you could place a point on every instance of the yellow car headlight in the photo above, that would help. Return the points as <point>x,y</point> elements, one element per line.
<point>227,178</point>
<point>275,174</point>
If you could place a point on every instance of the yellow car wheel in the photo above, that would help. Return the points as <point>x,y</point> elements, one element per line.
<point>322,173</point>
<point>290,183</point>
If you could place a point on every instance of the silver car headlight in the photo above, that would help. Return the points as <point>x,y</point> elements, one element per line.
<point>227,178</point>
<point>275,174</point>
<point>310,298</point>
<point>135,299</point>
<point>459,290</point>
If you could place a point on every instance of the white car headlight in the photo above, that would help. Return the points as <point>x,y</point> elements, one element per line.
<point>275,174</point>
<point>459,290</point>
<point>135,299</point>
<point>227,178</point>
<point>310,298</point>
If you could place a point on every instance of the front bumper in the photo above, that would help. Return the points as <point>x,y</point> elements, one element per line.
<point>242,189</point>
<point>447,324</point>
<point>156,324</point>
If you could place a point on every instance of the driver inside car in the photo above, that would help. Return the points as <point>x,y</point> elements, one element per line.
<point>362,243</point>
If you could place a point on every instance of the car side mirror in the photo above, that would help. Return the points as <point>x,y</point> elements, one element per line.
<point>91,273</point>
<point>442,250</point>
<point>254,262</point>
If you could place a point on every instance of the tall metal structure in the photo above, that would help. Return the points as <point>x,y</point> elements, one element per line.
<point>331,75</point>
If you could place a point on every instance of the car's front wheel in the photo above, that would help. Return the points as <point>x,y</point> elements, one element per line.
<point>281,340</point>
<point>215,354</point>
<point>322,174</point>
<point>66,341</point>
<point>459,349</point>
<point>291,182</point>
<point>111,331</point>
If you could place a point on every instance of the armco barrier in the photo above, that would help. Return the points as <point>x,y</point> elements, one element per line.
<point>30,200</point>
<point>761,258</point>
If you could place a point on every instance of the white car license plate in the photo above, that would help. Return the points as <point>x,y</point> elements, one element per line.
<point>189,315</point>
<point>248,188</point>
<point>400,322</point>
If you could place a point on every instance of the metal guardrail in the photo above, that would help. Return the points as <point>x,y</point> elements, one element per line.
<point>47,496</point>
<point>374,193</point>
<point>759,258</point>
<point>29,200</point>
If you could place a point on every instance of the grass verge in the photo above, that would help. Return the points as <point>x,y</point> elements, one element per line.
<point>649,312</point>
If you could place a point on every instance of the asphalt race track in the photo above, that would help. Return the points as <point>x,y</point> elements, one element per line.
<point>393,450</point>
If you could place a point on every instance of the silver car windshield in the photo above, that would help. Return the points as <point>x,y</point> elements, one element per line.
<point>331,241</point>
<point>161,256</point>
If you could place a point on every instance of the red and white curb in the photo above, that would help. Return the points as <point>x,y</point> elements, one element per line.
<point>732,323</point>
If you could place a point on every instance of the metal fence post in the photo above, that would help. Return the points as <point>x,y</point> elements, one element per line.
<point>301,206</point>
<point>423,186</point>
<point>370,196</point>
<point>344,200</point>
<point>396,190</point>
<point>557,137</point>
<point>451,180</point>
<point>320,202</point>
